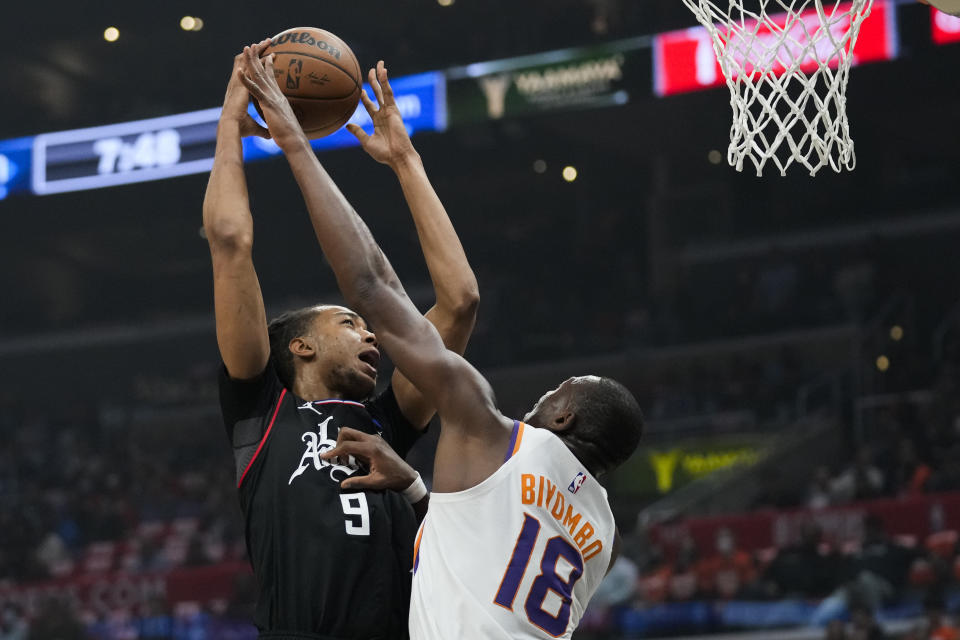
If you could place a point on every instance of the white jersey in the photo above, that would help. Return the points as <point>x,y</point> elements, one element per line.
<point>517,556</point>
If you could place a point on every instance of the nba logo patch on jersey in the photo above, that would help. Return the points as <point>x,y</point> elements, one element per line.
<point>577,482</point>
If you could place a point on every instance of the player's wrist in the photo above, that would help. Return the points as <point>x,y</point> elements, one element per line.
<point>293,142</point>
<point>230,122</point>
<point>416,491</point>
<point>405,160</point>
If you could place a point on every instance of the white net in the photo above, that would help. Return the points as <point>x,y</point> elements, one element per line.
<point>786,63</point>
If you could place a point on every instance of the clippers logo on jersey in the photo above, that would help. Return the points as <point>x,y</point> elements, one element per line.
<point>317,443</point>
<point>577,482</point>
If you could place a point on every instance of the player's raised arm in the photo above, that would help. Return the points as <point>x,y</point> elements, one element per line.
<point>454,282</point>
<point>228,225</point>
<point>461,395</point>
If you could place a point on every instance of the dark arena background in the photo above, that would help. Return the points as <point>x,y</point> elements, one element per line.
<point>793,341</point>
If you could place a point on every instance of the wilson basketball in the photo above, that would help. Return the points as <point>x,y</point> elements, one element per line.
<point>320,76</point>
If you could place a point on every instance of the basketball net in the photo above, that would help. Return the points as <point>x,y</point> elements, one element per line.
<point>786,63</point>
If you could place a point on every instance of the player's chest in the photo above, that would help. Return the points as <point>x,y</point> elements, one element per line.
<point>308,430</point>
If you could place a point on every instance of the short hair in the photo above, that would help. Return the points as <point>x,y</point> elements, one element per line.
<point>608,427</point>
<point>281,330</point>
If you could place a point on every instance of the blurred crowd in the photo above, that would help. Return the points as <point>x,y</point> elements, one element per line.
<point>73,473</point>
<point>914,450</point>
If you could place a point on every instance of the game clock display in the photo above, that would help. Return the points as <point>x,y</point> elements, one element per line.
<point>124,153</point>
<point>177,145</point>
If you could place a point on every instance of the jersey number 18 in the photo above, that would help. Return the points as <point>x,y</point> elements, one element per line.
<point>547,581</point>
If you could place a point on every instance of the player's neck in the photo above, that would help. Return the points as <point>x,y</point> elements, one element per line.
<point>583,452</point>
<point>311,388</point>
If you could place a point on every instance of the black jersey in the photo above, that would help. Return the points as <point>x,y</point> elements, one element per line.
<point>329,563</point>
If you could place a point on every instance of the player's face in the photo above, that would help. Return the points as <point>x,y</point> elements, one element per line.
<point>551,408</point>
<point>550,405</point>
<point>347,352</point>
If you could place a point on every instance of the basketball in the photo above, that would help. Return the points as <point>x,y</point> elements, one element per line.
<point>320,76</point>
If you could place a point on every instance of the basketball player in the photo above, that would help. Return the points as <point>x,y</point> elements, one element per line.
<point>519,532</point>
<point>331,559</point>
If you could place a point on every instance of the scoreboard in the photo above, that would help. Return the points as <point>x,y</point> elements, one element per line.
<point>177,145</point>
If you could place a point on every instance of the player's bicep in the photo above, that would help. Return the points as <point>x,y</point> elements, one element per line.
<point>240,315</point>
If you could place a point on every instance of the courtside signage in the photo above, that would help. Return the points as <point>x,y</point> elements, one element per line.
<point>563,80</point>
<point>685,60</point>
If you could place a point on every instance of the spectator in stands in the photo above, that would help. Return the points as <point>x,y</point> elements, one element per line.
<point>684,581</point>
<point>729,571</point>
<point>881,559</point>
<point>156,622</point>
<point>55,620</point>
<point>655,577</point>
<point>864,625</point>
<point>861,481</point>
<point>801,570</point>
<point>836,630</point>
<point>13,626</point>
<point>910,474</point>
<point>819,495</point>
<point>938,626</point>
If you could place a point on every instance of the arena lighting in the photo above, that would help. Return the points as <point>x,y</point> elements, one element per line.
<point>444,3</point>
<point>896,333</point>
<point>569,173</point>
<point>883,363</point>
<point>111,34</point>
<point>715,157</point>
<point>540,166</point>
<point>188,23</point>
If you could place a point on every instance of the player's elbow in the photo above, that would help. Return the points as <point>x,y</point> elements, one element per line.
<point>228,236</point>
<point>465,303</point>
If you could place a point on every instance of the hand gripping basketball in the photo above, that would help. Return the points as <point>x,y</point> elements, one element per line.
<point>258,77</point>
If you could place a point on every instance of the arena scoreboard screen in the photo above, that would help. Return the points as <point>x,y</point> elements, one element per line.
<point>176,145</point>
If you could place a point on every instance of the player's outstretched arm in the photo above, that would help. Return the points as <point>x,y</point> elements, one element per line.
<point>454,282</point>
<point>228,225</point>
<point>461,395</point>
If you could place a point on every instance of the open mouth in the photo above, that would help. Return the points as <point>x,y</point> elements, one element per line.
<point>371,358</point>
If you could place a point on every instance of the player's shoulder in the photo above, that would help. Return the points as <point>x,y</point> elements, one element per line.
<point>535,441</point>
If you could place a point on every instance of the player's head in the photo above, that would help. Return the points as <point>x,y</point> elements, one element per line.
<point>326,344</point>
<point>597,418</point>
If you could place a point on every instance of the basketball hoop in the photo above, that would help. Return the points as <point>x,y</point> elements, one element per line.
<point>786,63</point>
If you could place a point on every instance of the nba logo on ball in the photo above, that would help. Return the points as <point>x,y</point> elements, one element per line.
<point>577,482</point>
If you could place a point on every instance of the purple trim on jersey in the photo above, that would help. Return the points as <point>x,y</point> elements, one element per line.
<point>513,440</point>
<point>356,404</point>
